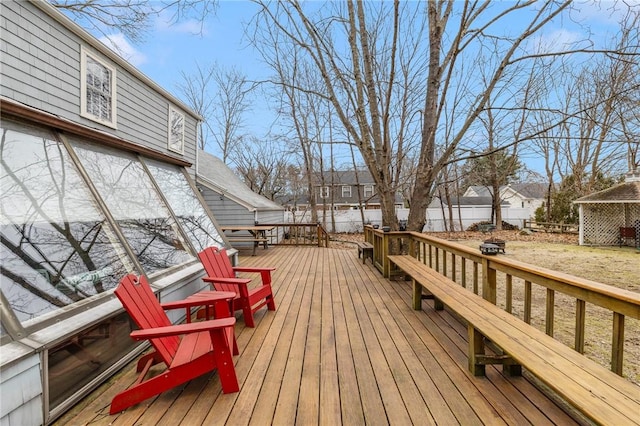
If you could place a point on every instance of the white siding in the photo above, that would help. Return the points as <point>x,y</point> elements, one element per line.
<point>21,395</point>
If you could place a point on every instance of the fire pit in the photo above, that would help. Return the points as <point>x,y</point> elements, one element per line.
<point>497,242</point>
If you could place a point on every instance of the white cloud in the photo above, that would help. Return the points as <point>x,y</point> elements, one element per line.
<point>557,40</point>
<point>165,23</point>
<point>119,44</point>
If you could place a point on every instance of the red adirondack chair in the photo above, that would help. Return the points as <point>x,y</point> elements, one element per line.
<point>222,276</point>
<point>204,347</point>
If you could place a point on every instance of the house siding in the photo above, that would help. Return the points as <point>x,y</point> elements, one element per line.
<point>23,407</point>
<point>41,68</point>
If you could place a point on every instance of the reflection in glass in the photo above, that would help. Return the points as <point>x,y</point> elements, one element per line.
<point>78,360</point>
<point>55,247</point>
<point>133,201</point>
<point>185,204</point>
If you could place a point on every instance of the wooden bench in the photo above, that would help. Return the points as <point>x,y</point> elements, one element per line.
<point>249,239</point>
<point>366,250</point>
<point>598,393</point>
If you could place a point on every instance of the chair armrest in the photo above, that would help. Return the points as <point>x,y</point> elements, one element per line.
<point>179,329</point>
<point>251,269</point>
<point>235,281</point>
<point>209,299</point>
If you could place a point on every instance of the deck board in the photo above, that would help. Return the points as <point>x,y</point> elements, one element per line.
<point>343,347</point>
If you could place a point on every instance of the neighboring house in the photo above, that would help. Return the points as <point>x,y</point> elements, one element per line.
<point>347,190</point>
<point>466,212</point>
<point>603,213</point>
<point>528,196</point>
<point>232,202</point>
<point>96,182</point>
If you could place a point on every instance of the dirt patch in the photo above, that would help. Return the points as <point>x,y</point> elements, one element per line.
<point>618,267</point>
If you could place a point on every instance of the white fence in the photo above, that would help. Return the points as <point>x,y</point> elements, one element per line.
<point>351,220</point>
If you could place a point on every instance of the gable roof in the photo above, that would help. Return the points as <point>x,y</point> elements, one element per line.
<point>343,177</point>
<point>626,192</point>
<point>466,201</point>
<point>217,176</point>
<point>531,190</point>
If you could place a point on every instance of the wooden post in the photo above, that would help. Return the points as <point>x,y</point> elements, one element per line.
<point>550,311</point>
<point>417,295</point>
<point>386,267</point>
<point>509,293</point>
<point>581,309</point>
<point>476,347</point>
<point>453,267</point>
<point>617,345</point>
<point>464,271</point>
<point>527,302</point>
<point>488,282</point>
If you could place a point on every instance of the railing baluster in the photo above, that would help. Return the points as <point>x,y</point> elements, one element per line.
<point>581,310</point>
<point>550,311</point>
<point>527,302</point>
<point>509,293</point>
<point>617,345</point>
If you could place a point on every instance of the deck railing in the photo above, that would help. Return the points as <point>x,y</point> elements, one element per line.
<point>485,275</point>
<point>297,234</point>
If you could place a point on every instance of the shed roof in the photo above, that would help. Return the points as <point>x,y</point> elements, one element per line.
<point>626,192</point>
<point>217,176</point>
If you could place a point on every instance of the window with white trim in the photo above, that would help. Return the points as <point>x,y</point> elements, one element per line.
<point>97,89</point>
<point>324,192</point>
<point>346,191</point>
<point>176,131</point>
<point>368,191</point>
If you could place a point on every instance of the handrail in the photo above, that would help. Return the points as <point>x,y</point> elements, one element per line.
<point>297,234</point>
<point>451,259</point>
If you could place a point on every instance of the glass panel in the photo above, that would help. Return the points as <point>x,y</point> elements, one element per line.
<point>138,209</point>
<point>176,130</point>
<point>185,204</point>
<point>77,361</point>
<point>56,247</point>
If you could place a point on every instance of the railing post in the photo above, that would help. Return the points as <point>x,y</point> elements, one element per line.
<point>386,267</point>
<point>617,345</point>
<point>488,282</point>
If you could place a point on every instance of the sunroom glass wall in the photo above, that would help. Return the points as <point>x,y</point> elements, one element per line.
<point>192,216</point>
<point>56,247</point>
<point>130,196</point>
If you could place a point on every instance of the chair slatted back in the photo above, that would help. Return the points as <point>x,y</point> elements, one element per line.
<point>138,300</point>
<point>217,264</point>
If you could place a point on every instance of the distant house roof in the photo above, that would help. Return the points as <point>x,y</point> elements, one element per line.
<point>531,190</point>
<point>466,201</point>
<point>344,177</point>
<point>217,176</point>
<point>627,192</point>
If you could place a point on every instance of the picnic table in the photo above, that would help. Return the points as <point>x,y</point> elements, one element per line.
<point>257,234</point>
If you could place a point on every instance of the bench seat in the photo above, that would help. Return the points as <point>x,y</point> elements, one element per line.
<point>598,393</point>
<point>366,250</point>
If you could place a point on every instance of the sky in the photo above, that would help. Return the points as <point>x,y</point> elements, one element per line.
<point>169,50</point>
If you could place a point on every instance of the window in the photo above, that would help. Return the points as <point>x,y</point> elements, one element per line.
<point>98,90</point>
<point>132,199</point>
<point>368,191</point>
<point>346,191</point>
<point>57,248</point>
<point>185,205</point>
<point>324,192</point>
<point>176,131</point>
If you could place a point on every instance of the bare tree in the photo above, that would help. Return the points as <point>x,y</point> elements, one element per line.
<point>196,91</point>
<point>132,17</point>
<point>263,167</point>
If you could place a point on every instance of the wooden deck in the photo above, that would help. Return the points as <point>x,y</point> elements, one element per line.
<point>343,347</point>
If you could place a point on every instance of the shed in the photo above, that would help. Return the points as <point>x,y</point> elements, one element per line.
<point>603,213</point>
<point>229,198</point>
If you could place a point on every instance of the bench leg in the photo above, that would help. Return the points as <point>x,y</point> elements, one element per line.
<point>417,295</point>
<point>476,347</point>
